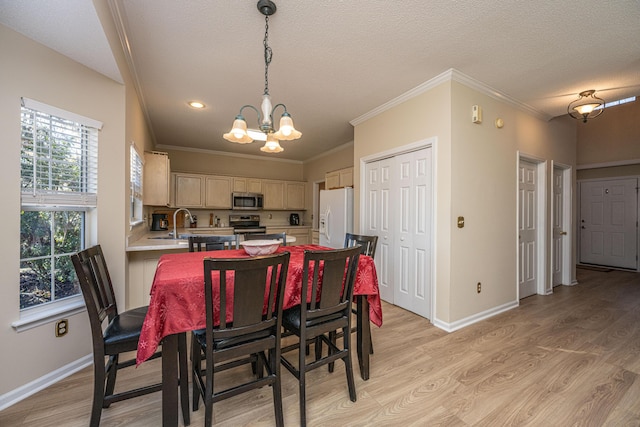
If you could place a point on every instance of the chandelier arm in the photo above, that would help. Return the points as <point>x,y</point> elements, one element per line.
<point>273,110</point>
<point>254,109</point>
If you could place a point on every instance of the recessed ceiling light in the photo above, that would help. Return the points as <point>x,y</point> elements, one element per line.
<point>196,104</point>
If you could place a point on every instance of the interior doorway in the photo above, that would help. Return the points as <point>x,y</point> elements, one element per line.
<point>561,233</point>
<point>531,226</point>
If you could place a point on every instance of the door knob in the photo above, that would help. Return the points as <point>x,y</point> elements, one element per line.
<point>564,233</point>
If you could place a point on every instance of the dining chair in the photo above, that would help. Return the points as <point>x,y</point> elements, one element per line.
<point>244,323</point>
<point>327,297</point>
<point>213,242</point>
<point>273,236</point>
<point>369,244</point>
<point>120,335</point>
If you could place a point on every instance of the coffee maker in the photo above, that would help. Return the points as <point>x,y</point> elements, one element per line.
<point>159,222</point>
<point>294,219</point>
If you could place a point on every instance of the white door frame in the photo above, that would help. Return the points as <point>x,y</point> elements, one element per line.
<point>425,143</point>
<point>541,204</point>
<point>567,215</point>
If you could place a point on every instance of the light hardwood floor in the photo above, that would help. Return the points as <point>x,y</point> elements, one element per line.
<point>571,358</point>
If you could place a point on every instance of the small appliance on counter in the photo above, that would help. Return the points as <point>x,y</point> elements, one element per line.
<point>294,219</point>
<point>159,222</point>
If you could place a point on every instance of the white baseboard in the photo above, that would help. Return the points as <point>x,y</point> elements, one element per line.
<point>43,382</point>
<point>459,324</point>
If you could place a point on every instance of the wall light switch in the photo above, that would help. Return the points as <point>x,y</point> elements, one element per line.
<point>476,114</point>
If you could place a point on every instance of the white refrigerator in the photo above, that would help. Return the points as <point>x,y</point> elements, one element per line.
<point>336,216</point>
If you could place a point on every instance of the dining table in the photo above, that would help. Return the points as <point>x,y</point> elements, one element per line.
<point>177,307</point>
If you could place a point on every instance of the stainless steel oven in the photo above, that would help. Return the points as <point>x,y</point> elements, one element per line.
<point>246,224</point>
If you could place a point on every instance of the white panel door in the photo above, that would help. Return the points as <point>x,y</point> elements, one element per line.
<point>527,223</point>
<point>412,257</point>
<point>559,234</point>
<point>378,222</point>
<point>608,222</point>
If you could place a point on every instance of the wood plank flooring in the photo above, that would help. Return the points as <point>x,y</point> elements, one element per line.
<point>571,358</point>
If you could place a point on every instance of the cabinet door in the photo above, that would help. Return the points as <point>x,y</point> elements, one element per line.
<point>240,185</point>
<point>218,192</point>
<point>301,235</point>
<point>295,195</point>
<point>254,185</point>
<point>332,180</point>
<point>273,194</point>
<point>346,177</point>
<point>156,179</point>
<point>189,190</point>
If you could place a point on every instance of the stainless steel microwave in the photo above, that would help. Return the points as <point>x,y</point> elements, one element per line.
<point>246,201</point>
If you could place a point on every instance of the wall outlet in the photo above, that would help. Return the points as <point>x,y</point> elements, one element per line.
<point>62,327</point>
<point>479,287</point>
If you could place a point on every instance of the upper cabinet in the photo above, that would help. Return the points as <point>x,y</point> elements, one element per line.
<point>247,185</point>
<point>218,192</point>
<point>214,192</point>
<point>339,179</point>
<point>294,195</point>
<point>189,190</point>
<point>156,179</point>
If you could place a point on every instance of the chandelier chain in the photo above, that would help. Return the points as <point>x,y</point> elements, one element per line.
<point>268,54</point>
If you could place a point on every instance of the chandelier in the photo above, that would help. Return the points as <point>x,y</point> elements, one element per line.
<point>586,106</point>
<point>266,132</point>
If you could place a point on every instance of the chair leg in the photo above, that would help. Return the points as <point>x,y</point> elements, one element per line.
<point>112,368</point>
<point>274,361</point>
<point>184,378</point>
<point>332,339</point>
<point>301,383</point>
<point>98,391</point>
<point>348,365</point>
<point>196,374</point>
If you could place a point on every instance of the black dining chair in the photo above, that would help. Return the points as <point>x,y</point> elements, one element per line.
<point>325,309</point>
<point>252,290</point>
<point>369,244</point>
<point>213,242</point>
<point>273,236</point>
<point>120,335</point>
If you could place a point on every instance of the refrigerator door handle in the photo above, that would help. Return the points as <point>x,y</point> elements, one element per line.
<point>327,225</point>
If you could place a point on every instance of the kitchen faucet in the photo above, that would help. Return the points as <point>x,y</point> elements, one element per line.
<point>175,232</point>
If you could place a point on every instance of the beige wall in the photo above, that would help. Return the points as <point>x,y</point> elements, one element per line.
<point>201,161</point>
<point>33,71</point>
<point>613,136</point>
<point>475,168</point>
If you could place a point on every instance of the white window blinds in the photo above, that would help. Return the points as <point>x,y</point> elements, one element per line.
<point>59,157</point>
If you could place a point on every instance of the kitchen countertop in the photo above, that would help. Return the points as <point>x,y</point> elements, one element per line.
<point>151,242</point>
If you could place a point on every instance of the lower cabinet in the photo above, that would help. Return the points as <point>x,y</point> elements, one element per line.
<point>142,269</point>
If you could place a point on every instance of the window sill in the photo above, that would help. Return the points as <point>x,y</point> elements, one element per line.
<point>49,315</point>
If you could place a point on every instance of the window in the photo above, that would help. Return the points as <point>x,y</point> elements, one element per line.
<point>135,169</point>
<point>58,172</point>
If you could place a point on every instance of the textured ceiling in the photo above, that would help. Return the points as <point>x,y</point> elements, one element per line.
<point>335,60</point>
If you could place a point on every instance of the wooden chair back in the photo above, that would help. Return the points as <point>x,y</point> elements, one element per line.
<point>368,243</point>
<point>213,243</point>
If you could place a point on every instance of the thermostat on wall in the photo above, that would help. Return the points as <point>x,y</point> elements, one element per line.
<point>476,114</point>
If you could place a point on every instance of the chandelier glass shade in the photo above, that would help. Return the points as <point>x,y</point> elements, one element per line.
<point>587,106</point>
<point>286,130</point>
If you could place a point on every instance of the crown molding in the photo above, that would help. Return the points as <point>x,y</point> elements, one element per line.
<point>226,154</point>
<point>451,75</point>
<point>329,152</point>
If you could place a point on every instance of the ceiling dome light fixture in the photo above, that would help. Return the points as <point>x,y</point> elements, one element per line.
<point>196,104</point>
<point>286,131</point>
<point>587,106</point>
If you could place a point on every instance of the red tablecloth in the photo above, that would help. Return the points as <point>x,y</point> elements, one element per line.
<point>177,293</point>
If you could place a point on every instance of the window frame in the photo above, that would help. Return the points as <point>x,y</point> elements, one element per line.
<point>38,197</point>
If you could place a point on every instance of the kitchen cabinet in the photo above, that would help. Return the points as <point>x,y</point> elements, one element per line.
<point>339,179</point>
<point>315,237</point>
<point>294,192</point>
<point>156,180</point>
<point>273,192</point>
<point>218,192</point>
<point>142,269</point>
<point>247,185</point>
<point>189,190</point>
